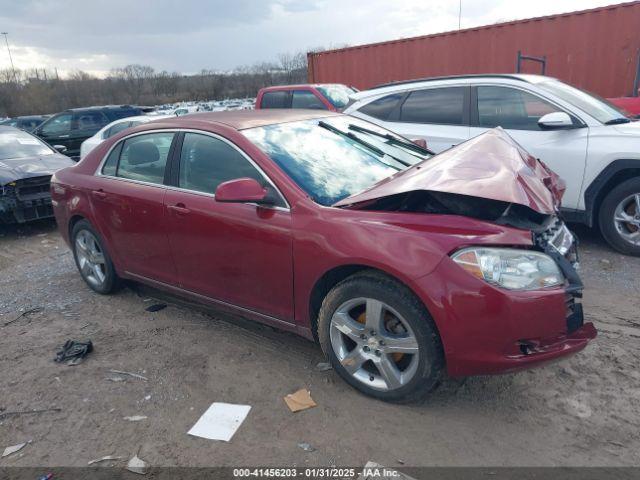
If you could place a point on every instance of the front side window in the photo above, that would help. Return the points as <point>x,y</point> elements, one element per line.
<point>511,108</point>
<point>382,107</point>
<point>144,157</point>
<point>58,125</point>
<point>306,99</point>
<point>19,144</point>
<point>206,162</point>
<point>90,120</point>
<point>443,106</point>
<point>280,99</point>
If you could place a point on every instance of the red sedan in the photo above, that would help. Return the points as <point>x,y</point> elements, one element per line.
<point>402,265</point>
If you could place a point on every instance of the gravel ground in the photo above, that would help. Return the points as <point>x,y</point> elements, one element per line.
<point>578,412</point>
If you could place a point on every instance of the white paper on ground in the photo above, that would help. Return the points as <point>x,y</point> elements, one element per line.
<point>220,421</point>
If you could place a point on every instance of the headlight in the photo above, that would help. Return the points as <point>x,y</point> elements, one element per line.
<point>510,268</point>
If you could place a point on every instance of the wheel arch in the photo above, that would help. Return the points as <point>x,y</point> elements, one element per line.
<point>75,218</point>
<point>615,173</point>
<point>339,273</point>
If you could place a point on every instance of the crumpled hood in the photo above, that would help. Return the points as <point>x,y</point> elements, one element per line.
<point>491,165</point>
<point>16,168</point>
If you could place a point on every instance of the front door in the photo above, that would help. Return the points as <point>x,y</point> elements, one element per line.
<point>239,253</point>
<point>57,130</point>
<point>518,112</point>
<point>128,202</point>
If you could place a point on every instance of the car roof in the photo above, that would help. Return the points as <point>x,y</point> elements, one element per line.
<point>242,119</point>
<point>418,82</point>
<point>104,107</point>
<point>299,85</point>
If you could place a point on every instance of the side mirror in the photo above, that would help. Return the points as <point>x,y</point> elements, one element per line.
<point>60,148</point>
<point>242,190</point>
<point>555,120</point>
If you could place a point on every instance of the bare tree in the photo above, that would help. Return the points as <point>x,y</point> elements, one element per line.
<point>40,91</point>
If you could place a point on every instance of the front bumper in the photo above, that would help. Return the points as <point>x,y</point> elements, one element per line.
<point>486,329</point>
<point>25,200</point>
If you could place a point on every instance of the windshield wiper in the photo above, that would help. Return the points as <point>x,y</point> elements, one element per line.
<point>617,121</point>
<point>362,142</point>
<point>407,144</point>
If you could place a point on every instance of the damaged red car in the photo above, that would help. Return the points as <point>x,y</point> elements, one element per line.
<point>403,265</point>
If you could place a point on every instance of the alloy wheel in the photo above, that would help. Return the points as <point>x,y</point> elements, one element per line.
<point>374,344</point>
<point>626,219</point>
<point>91,261</point>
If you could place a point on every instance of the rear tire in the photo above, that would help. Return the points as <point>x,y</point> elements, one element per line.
<point>619,217</point>
<point>380,339</point>
<point>92,259</point>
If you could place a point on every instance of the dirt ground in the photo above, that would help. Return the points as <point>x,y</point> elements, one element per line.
<point>582,411</point>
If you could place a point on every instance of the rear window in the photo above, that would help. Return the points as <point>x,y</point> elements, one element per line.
<point>435,105</point>
<point>280,99</point>
<point>382,107</point>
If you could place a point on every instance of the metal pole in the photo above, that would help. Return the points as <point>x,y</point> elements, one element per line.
<point>15,78</point>
<point>636,81</point>
<point>459,14</point>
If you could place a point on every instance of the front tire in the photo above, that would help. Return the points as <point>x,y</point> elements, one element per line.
<point>92,259</point>
<point>380,339</point>
<point>619,217</point>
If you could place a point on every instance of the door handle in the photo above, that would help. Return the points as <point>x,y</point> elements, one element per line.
<point>101,194</point>
<point>179,209</point>
<point>63,136</point>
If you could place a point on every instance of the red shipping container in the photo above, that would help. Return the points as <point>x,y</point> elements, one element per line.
<point>593,49</point>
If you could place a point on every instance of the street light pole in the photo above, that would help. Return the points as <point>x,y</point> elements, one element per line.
<point>13,69</point>
<point>459,14</point>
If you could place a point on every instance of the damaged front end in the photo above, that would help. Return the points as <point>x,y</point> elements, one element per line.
<point>25,200</point>
<point>490,178</point>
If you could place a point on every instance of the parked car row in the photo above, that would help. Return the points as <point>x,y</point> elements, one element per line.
<point>28,122</point>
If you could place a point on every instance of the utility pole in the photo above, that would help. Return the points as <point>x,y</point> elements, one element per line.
<point>459,14</point>
<point>15,78</point>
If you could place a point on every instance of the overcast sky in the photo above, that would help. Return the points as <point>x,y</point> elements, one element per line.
<point>189,35</point>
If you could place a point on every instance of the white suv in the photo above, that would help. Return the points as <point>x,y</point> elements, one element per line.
<point>585,140</point>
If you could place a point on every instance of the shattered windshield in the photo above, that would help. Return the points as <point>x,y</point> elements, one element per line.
<point>329,160</point>
<point>19,144</point>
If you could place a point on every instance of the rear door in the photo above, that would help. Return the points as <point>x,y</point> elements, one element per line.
<point>238,253</point>
<point>127,200</point>
<point>438,115</point>
<point>518,111</point>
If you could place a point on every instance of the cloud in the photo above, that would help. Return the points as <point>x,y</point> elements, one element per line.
<point>190,35</point>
